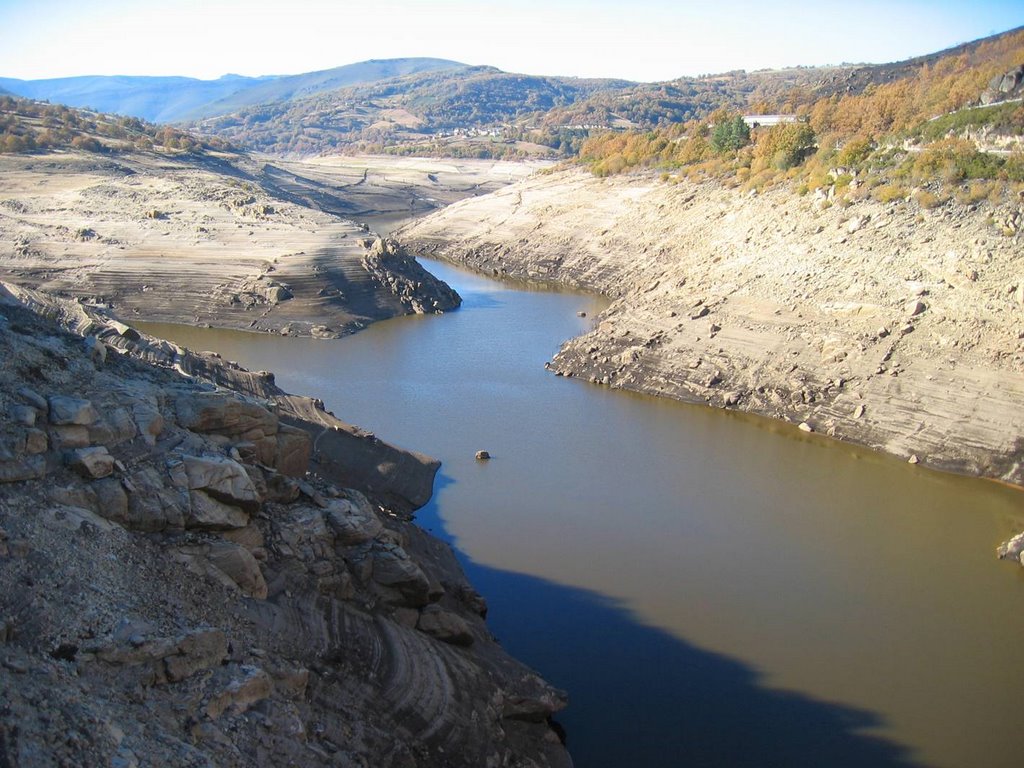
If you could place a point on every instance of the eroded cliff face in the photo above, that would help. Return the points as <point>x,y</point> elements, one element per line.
<point>197,240</point>
<point>177,589</point>
<point>888,325</point>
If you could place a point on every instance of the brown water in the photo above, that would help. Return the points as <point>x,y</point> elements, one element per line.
<point>712,589</point>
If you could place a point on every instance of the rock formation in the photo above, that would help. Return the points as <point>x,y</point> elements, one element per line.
<point>889,325</point>
<point>177,589</point>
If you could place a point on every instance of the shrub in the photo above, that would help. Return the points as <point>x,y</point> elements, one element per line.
<point>886,193</point>
<point>927,199</point>
<point>786,145</point>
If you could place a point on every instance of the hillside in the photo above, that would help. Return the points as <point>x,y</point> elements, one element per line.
<point>191,575</point>
<point>182,232</point>
<point>435,112</point>
<point>292,87</point>
<point>173,99</point>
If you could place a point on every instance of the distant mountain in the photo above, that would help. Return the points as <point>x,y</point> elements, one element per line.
<point>173,99</point>
<point>481,103</point>
<point>157,99</point>
<point>311,83</point>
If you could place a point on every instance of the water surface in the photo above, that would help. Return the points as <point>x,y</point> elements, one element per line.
<point>712,588</point>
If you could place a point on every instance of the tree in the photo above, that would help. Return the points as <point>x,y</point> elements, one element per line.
<point>730,135</point>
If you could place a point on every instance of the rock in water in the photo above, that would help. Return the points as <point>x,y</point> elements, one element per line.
<point>482,455</point>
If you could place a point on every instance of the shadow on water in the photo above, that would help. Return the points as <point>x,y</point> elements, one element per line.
<point>711,710</point>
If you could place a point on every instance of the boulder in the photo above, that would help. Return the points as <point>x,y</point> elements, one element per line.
<point>1012,549</point>
<point>227,563</point>
<point>247,686</point>
<point>444,626</point>
<point>71,410</point>
<point>224,414</point>
<point>223,479</point>
<point>36,441</point>
<point>393,568</point>
<point>207,513</point>
<point>25,415</point>
<point>198,650</point>
<point>483,455</point>
<point>92,463</point>
<point>352,522</point>
<point>70,436</point>
<point>150,422</point>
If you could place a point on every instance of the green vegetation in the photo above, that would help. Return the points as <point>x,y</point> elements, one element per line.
<point>729,135</point>
<point>27,125</point>
<point>881,141</point>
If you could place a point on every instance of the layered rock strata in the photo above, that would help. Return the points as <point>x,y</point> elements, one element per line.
<point>198,240</point>
<point>176,588</point>
<point>889,325</point>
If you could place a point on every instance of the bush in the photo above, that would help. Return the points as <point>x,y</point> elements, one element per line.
<point>786,145</point>
<point>928,200</point>
<point>886,193</point>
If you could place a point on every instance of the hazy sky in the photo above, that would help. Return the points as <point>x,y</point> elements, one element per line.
<point>638,40</point>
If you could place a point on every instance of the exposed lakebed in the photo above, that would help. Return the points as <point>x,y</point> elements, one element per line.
<point>711,588</point>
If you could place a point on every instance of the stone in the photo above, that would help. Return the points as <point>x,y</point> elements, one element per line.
<point>444,625</point>
<point>248,686</point>
<point>805,427</point>
<point>92,463</point>
<point>227,563</point>
<point>24,415</point>
<point>393,568</point>
<point>351,522</point>
<point>198,650</point>
<point>118,427</point>
<point>208,513</point>
<point>111,499</point>
<point>856,223</point>
<point>71,410</point>
<point>33,398</point>
<point>1012,549</point>
<point>483,455</point>
<point>222,479</point>
<point>36,441</point>
<point>290,682</point>
<point>70,436</point>
<point>18,470</point>
<point>150,422</point>
<point>225,414</point>
<point>915,308</point>
<point>858,411</point>
<point>913,459</point>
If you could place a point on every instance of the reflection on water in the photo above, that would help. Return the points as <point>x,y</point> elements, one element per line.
<point>720,588</point>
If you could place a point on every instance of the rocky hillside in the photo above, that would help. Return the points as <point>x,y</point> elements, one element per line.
<point>887,324</point>
<point>177,589</point>
<point>207,238</point>
<point>170,99</point>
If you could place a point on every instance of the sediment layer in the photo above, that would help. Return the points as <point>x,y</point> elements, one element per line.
<point>888,325</point>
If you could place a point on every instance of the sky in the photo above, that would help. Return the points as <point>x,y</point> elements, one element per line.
<point>644,40</point>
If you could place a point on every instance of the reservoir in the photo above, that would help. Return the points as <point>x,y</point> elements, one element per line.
<point>712,589</point>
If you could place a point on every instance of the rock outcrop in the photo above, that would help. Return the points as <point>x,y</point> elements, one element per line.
<point>177,589</point>
<point>889,325</point>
